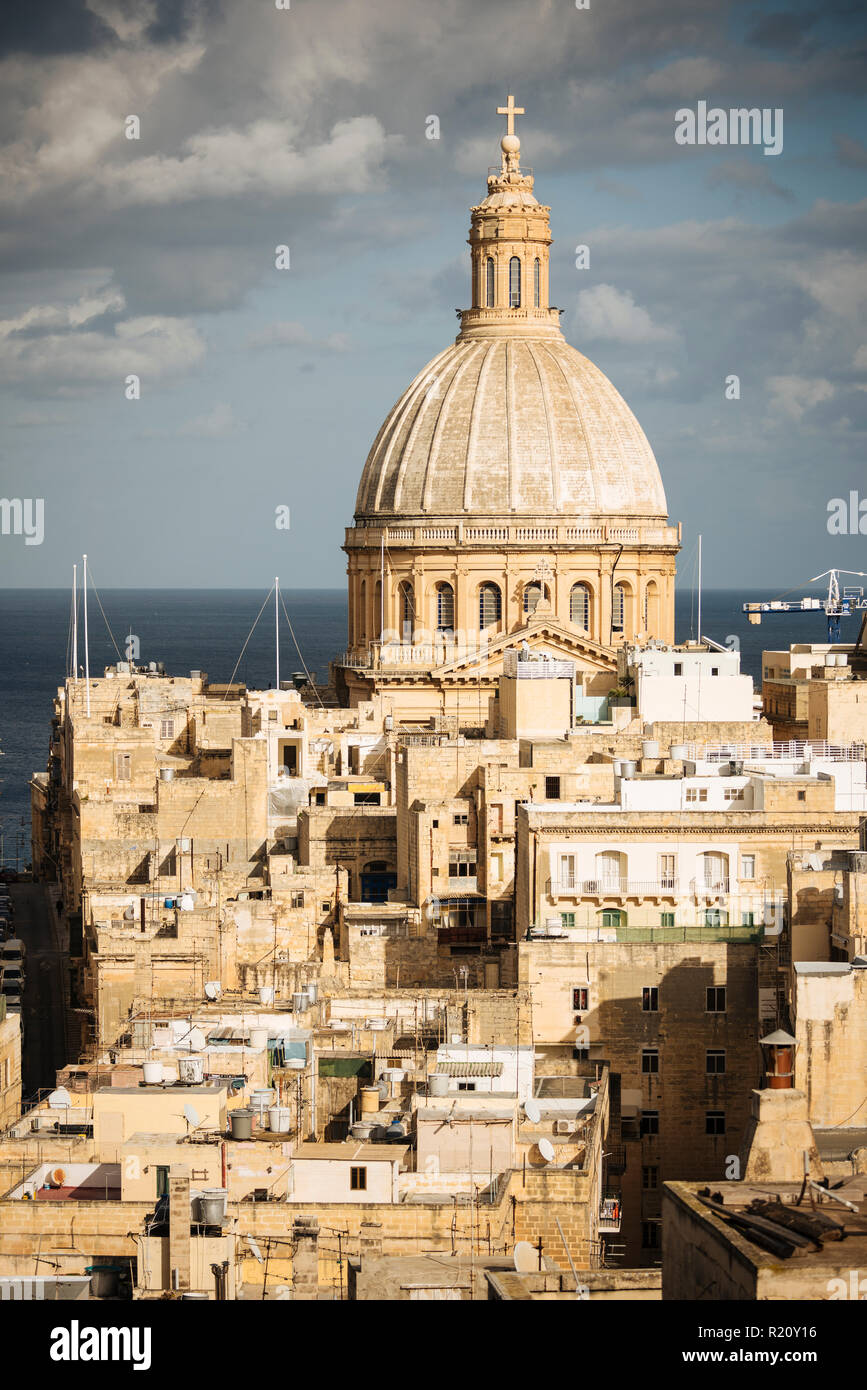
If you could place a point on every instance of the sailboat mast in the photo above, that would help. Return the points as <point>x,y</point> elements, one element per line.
<point>75,623</point>
<point>86,646</point>
<point>277,627</point>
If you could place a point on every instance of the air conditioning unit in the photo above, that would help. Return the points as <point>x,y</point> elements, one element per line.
<point>563,1126</point>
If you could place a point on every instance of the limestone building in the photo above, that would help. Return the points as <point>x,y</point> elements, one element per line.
<point>510,492</point>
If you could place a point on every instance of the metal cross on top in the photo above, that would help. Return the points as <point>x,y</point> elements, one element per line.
<point>510,111</point>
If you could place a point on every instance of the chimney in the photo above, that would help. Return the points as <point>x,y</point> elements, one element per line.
<point>305,1260</point>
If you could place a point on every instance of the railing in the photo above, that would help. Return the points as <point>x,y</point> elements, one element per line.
<point>613,887</point>
<point>624,935</point>
<point>500,532</point>
<point>796,750</point>
<point>708,888</point>
<point>609,1214</point>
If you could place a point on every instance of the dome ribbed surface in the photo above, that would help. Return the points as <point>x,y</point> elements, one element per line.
<point>511,426</point>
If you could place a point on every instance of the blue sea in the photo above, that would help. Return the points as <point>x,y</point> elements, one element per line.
<point>197,629</point>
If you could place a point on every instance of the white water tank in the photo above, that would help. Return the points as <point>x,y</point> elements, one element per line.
<point>266,994</point>
<point>258,1039</point>
<point>192,1070</point>
<point>438,1084</point>
<point>678,751</point>
<point>280,1119</point>
<point>649,748</point>
<point>312,989</point>
<point>185,902</point>
<point>153,1073</point>
<point>299,1001</point>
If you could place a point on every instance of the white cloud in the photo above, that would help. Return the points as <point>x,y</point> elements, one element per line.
<point>685,79</point>
<point>606,314</point>
<point>795,395</point>
<point>219,422</point>
<point>293,334</point>
<point>150,347</point>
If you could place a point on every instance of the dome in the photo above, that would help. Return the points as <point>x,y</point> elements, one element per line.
<point>511,426</point>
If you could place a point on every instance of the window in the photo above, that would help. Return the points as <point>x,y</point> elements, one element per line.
<point>715,1061</point>
<point>445,608</point>
<point>613,917</point>
<point>650,1177</point>
<point>466,1085</point>
<point>611,870</point>
<point>514,283</point>
<point>802,796</point>
<point>162,1180</point>
<point>748,866</point>
<point>167,728</point>
<point>651,607</point>
<point>123,766</point>
<point>325,907</point>
<point>358,1179</point>
<point>580,998</point>
<point>319,799</point>
<point>714,670</point>
<point>489,282</point>
<point>297,899</point>
<point>462,864</point>
<point>650,1061</point>
<point>490,605</point>
<point>533,596</point>
<point>715,1002</point>
<point>715,871</point>
<point>667,870</point>
<point>367,798</point>
<point>748,919</point>
<point>552,788</point>
<point>406,609</point>
<point>272,715</point>
<point>650,1235</point>
<point>715,917</point>
<point>460,818</point>
<point>618,610</point>
<point>649,1123</point>
<point>568,919</point>
<point>666,919</point>
<point>650,999</point>
<point>537,282</point>
<point>734,793</point>
<point>579,606</point>
<point>696,793</point>
<point>678,668</point>
<point>714,1122</point>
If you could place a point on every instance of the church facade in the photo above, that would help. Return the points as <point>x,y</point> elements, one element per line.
<point>510,496</point>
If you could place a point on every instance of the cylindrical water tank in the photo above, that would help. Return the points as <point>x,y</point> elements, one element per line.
<point>213,1206</point>
<point>361,1131</point>
<point>649,748</point>
<point>299,1001</point>
<point>258,1038</point>
<point>280,1119</point>
<point>396,1130</point>
<point>167,774</point>
<point>186,903</point>
<point>618,766</point>
<point>295,1063</point>
<point>266,994</point>
<point>192,1070</point>
<point>378,1133</point>
<point>312,989</point>
<point>678,751</point>
<point>153,1073</point>
<point>369,1100</point>
<point>438,1084</point>
<point>241,1121</point>
<point>627,768</point>
<point>262,1098</point>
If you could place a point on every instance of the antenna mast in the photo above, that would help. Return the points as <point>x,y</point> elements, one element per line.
<point>699,588</point>
<point>86,647</point>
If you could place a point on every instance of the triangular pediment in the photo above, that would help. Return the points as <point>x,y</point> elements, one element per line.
<point>545,634</point>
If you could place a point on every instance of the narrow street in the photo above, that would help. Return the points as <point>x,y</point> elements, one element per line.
<point>44,1047</point>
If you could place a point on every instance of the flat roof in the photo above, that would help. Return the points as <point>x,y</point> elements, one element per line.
<point>352,1151</point>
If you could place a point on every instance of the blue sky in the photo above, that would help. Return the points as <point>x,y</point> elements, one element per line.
<point>263,388</point>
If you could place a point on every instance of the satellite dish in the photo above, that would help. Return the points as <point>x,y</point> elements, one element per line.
<point>213,989</point>
<point>191,1115</point>
<point>196,1040</point>
<point>254,1247</point>
<point>526,1259</point>
<point>58,1177</point>
<point>59,1099</point>
<point>532,1111</point>
<point>546,1149</point>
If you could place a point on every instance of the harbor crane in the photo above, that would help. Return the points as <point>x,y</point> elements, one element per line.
<point>835,606</point>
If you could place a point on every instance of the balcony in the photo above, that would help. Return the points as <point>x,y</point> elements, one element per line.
<point>569,886</point>
<point>709,888</point>
<point>610,1215</point>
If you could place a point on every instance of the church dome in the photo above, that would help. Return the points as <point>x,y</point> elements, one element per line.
<point>510,425</point>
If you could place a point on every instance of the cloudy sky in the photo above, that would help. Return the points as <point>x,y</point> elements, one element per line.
<point>264,388</point>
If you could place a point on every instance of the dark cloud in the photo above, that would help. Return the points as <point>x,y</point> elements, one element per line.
<point>175,19</point>
<point>850,152</point>
<point>781,30</point>
<point>52,26</point>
